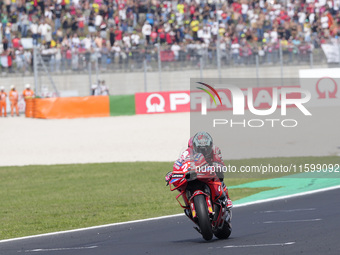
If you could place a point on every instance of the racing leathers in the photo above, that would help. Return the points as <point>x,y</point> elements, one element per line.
<point>216,160</point>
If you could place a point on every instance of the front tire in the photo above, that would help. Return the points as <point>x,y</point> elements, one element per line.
<point>203,217</point>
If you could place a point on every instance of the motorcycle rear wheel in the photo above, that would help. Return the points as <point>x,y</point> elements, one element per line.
<point>203,217</point>
<point>224,232</point>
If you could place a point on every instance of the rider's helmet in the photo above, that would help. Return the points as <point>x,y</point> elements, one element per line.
<point>203,143</point>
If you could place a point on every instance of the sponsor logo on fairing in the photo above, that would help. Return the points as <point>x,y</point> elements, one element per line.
<point>178,163</point>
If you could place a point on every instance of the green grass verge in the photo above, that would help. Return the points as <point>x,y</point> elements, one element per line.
<point>42,199</point>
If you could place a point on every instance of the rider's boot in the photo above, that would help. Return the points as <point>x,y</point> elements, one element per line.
<point>226,201</point>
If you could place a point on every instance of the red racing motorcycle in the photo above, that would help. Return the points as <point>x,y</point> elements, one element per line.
<point>201,189</point>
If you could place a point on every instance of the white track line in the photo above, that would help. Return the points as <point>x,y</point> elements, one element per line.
<point>258,245</point>
<point>290,221</point>
<point>90,228</point>
<point>62,249</point>
<point>291,210</point>
<point>169,216</point>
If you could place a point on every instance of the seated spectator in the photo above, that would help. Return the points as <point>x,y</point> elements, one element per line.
<point>241,26</point>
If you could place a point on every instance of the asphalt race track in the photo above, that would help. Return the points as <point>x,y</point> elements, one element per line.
<point>308,224</point>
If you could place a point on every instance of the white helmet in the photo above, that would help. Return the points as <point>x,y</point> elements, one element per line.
<point>2,88</point>
<point>27,86</point>
<point>12,87</point>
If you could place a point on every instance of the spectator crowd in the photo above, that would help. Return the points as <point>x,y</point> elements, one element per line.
<point>72,34</point>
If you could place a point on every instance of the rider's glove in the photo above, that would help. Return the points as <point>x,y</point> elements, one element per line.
<point>168,177</point>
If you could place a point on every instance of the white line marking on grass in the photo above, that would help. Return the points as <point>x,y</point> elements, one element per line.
<point>170,216</point>
<point>62,249</point>
<point>258,245</point>
<point>290,221</point>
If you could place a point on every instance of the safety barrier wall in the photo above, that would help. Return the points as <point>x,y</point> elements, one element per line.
<point>162,102</point>
<point>122,105</point>
<point>80,107</point>
<point>69,108</point>
<point>186,101</point>
<point>321,83</point>
<point>140,103</point>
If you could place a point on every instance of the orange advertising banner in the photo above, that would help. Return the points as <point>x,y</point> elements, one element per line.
<point>71,107</point>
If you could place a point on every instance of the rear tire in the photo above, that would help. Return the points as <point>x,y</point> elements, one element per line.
<point>203,217</point>
<point>224,232</point>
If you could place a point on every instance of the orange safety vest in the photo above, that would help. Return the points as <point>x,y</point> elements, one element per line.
<point>13,95</point>
<point>3,96</point>
<point>28,93</point>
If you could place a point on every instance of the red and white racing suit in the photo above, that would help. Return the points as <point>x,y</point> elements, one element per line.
<point>215,158</point>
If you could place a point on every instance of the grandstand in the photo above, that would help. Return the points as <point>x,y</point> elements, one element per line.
<point>75,35</point>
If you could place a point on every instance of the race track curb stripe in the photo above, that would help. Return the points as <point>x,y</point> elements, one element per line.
<point>171,216</point>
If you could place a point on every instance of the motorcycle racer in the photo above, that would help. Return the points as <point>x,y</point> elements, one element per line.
<point>202,143</point>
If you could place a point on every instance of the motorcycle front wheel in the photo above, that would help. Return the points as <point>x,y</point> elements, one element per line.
<point>203,217</point>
